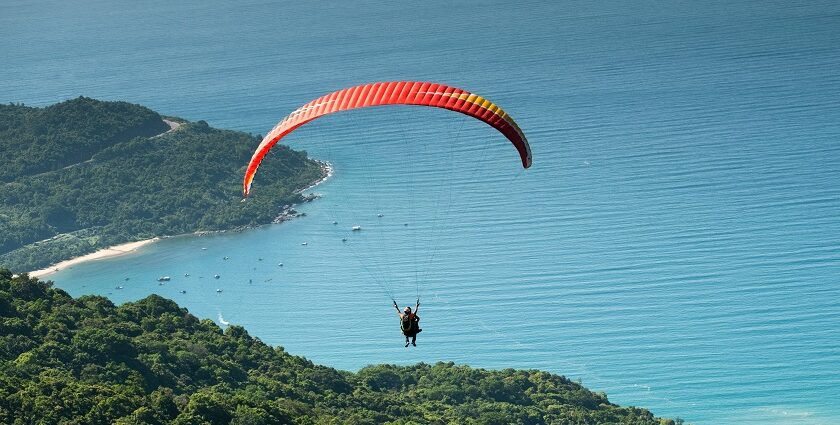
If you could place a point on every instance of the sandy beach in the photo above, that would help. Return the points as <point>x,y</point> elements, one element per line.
<point>113,251</point>
<point>128,248</point>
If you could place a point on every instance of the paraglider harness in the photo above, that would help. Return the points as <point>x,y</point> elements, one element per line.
<point>410,323</point>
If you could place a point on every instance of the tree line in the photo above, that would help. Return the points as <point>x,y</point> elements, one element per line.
<point>86,361</point>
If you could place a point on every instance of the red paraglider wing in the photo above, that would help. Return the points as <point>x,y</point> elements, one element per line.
<point>393,93</point>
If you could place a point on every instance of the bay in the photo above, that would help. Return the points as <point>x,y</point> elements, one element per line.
<point>676,243</point>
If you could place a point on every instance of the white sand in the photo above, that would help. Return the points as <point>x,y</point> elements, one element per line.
<point>109,252</point>
<point>128,248</point>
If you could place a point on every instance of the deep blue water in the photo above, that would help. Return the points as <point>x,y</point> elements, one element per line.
<point>676,243</point>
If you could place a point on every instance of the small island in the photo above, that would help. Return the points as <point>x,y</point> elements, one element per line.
<point>87,175</point>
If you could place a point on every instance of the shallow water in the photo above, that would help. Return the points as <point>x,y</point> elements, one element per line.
<point>676,243</point>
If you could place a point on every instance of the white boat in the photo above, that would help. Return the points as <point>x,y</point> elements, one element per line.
<point>164,279</point>
<point>304,243</point>
<point>379,215</point>
<point>216,276</point>
<point>356,228</point>
<point>219,290</point>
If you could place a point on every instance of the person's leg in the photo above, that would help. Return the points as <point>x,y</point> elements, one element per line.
<point>406,341</point>
<point>414,340</point>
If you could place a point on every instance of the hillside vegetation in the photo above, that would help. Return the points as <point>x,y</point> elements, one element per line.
<point>87,361</point>
<point>36,140</point>
<point>85,174</point>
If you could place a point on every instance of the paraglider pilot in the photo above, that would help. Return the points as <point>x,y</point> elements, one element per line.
<point>409,323</point>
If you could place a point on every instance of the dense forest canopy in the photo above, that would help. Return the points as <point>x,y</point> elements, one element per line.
<point>36,140</point>
<point>87,361</point>
<point>85,174</point>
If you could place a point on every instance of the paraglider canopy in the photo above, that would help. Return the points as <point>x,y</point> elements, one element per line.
<point>393,93</point>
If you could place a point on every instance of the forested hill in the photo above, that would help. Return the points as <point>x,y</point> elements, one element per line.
<point>86,361</point>
<point>35,140</point>
<point>86,174</point>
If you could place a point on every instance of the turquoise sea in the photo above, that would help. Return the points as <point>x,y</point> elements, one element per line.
<point>676,243</point>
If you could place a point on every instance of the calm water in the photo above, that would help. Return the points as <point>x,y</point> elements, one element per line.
<point>676,244</point>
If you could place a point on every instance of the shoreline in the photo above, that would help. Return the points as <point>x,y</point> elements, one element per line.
<point>130,247</point>
<point>328,170</point>
<point>110,252</point>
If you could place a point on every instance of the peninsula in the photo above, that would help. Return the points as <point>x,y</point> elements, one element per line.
<point>87,175</point>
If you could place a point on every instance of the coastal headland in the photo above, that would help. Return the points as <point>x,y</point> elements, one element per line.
<point>114,173</point>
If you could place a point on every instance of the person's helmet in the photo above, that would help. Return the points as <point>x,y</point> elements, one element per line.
<point>407,310</point>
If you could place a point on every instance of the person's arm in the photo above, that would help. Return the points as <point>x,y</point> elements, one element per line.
<point>417,307</point>
<point>396,307</point>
